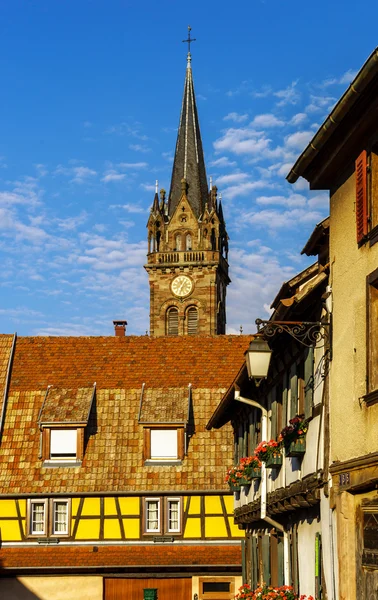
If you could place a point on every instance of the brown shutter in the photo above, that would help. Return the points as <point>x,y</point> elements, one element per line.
<point>180,443</point>
<point>146,443</point>
<point>172,321</point>
<point>361,196</point>
<point>192,320</point>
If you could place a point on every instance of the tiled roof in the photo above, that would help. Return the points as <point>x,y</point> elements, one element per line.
<point>164,405</point>
<point>67,406</point>
<point>6,342</point>
<point>113,457</point>
<point>120,555</point>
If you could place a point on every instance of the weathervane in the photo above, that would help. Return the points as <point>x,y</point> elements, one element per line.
<point>189,40</point>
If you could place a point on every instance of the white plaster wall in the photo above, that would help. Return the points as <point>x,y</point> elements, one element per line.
<point>313,458</point>
<point>51,588</point>
<point>306,555</point>
<point>329,549</point>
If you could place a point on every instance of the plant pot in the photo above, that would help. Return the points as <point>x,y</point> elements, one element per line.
<point>255,473</point>
<point>274,461</point>
<point>296,448</point>
<point>234,487</point>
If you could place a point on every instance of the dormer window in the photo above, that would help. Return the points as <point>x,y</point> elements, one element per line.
<point>62,421</point>
<point>164,414</point>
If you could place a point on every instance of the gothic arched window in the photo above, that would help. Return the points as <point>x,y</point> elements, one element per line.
<point>172,321</point>
<point>178,242</point>
<point>188,242</point>
<point>192,317</point>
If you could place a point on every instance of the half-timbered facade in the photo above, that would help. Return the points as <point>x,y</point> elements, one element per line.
<point>109,479</point>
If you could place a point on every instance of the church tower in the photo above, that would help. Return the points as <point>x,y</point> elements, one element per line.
<point>187,239</point>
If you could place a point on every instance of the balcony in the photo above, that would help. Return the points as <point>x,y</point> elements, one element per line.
<point>187,257</point>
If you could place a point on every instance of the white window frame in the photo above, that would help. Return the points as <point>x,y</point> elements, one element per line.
<point>164,433</point>
<point>53,520</point>
<point>62,457</point>
<point>32,503</point>
<point>167,511</point>
<point>146,503</point>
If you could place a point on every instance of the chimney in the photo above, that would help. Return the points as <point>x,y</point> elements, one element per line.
<point>120,328</point>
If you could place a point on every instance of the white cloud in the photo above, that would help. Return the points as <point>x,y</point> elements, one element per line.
<point>148,187</point>
<point>137,165</point>
<point>223,161</point>
<point>291,200</point>
<point>242,141</point>
<point>82,174</point>
<point>265,91</point>
<point>243,189</point>
<point>298,119</point>
<point>112,175</point>
<point>319,201</point>
<point>131,208</point>
<point>275,219</point>
<point>71,223</point>
<point>267,120</point>
<point>320,103</point>
<point>236,117</point>
<point>139,148</point>
<point>227,179</point>
<point>289,95</point>
<point>298,140</point>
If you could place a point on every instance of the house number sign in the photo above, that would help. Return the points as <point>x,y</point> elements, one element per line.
<point>344,479</point>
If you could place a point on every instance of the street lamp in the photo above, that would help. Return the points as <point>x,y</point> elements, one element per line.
<point>257,358</point>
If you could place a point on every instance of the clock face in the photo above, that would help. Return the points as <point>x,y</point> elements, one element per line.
<point>182,286</point>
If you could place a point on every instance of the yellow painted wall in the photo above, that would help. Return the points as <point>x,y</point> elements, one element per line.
<point>353,425</point>
<point>88,528</point>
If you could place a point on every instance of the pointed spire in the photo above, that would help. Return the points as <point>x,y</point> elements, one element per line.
<point>155,206</point>
<point>189,163</point>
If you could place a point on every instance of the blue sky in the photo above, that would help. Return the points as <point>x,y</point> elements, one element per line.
<point>90,99</point>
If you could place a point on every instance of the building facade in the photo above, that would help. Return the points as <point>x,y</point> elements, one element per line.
<point>343,158</point>
<point>187,240</point>
<point>109,481</point>
<point>285,507</point>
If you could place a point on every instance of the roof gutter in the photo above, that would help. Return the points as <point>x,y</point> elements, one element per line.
<point>6,388</point>
<point>354,91</point>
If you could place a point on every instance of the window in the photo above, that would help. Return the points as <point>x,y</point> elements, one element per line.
<point>173,515</point>
<point>152,511</point>
<point>162,515</point>
<point>178,242</point>
<point>188,242</point>
<point>219,588</point>
<point>164,444</point>
<point>38,514</point>
<point>63,444</point>
<point>192,316</point>
<point>48,518</point>
<point>172,321</point>
<point>60,517</point>
<point>372,317</point>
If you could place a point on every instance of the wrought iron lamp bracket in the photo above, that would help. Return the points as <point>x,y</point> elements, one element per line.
<point>308,333</point>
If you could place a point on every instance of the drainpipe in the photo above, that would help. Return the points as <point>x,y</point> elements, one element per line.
<point>263,515</point>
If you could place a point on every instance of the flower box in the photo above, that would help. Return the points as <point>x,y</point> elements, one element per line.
<point>234,487</point>
<point>274,461</point>
<point>297,447</point>
<point>256,473</point>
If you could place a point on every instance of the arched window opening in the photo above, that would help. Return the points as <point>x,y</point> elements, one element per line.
<point>192,316</point>
<point>178,242</point>
<point>188,242</point>
<point>158,236</point>
<point>172,321</point>
<point>213,240</point>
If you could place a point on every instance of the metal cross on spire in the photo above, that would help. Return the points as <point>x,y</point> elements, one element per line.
<point>189,40</point>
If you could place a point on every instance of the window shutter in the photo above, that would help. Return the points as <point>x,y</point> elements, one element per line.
<point>294,391</point>
<point>361,196</point>
<point>273,428</point>
<point>309,382</point>
<point>192,320</point>
<point>172,321</point>
<point>63,442</point>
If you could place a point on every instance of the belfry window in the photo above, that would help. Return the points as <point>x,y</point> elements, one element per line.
<point>192,316</point>
<point>188,242</point>
<point>178,242</point>
<point>172,321</point>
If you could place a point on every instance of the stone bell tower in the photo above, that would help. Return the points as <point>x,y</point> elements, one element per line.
<point>187,240</point>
